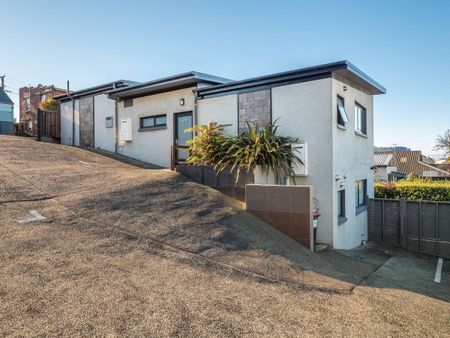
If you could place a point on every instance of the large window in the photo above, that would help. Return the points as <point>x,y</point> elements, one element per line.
<point>342,117</point>
<point>361,193</point>
<point>341,206</point>
<point>153,122</point>
<point>360,119</point>
<point>27,103</point>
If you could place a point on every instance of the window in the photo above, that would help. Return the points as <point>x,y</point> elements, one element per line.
<point>43,97</point>
<point>27,103</point>
<point>341,206</point>
<point>342,117</point>
<point>128,103</point>
<point>360,119</point>
<point>360,193</point>
<point>153,122</point>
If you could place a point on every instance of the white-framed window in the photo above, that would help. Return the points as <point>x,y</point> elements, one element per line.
<point>27,103</point>
<point>360,119</point>
<point>342,117</point>
<point>43,97</point>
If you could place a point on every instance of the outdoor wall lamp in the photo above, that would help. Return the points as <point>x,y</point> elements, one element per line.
<point>182,102</point>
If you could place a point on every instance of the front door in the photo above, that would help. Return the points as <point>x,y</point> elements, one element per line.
<point>183,121</point>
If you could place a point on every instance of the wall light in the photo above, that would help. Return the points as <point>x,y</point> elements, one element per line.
<point>182,102</point>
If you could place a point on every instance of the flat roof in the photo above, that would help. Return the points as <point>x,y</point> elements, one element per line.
<point>166,84</point>
<point>344,69</point>
<point>95,90</point>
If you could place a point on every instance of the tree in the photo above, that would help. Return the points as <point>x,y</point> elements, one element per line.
<point>443,143</point>
<point>50,105</point>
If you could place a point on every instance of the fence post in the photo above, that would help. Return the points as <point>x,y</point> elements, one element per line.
<point>403,225</point>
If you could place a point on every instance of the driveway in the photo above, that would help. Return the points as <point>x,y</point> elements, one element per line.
<point>127,251</point>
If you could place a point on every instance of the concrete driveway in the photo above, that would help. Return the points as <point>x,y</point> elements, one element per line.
<point>126,251</point>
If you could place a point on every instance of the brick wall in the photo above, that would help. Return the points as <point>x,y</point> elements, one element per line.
<point>254,108</point>
<point>28,112</point>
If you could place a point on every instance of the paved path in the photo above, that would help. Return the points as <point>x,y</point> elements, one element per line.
<point>126,251</point>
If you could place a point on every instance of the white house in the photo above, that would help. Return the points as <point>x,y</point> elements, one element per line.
<point>328,107</point>
<point>88,116</point>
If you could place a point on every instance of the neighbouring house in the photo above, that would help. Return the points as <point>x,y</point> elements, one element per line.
<point>328,107</point>
<point>30,98</point>
<point>413,162</point>
<point>385,167</point>
<point>89,117</point>
<point>6,113</point>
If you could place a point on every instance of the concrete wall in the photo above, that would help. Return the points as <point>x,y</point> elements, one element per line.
<point>66,123</point>
<point>103,108</point>
<point>352,160</point>
<point>221,109</point>
<point>303,110</point>
<point>154,146</point>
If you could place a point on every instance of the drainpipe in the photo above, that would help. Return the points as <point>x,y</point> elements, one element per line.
<point>73,112</point>
<point>116,123</point>
<point>195,112</point>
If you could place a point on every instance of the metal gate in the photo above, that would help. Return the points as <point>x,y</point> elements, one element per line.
<point>421,226</point>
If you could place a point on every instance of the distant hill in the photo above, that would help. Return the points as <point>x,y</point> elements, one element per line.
<point>390,148</point>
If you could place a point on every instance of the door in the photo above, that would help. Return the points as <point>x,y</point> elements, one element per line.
<point>183,121</point>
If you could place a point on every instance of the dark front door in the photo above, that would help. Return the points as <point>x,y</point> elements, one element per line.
<point>183,121</point>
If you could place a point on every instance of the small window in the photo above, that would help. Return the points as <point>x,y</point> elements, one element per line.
<point>128,103</point>
<point>360,193</point>
<point>360,119</point>
<point>342,117</point>
<point>153,121</point>
<point>43,97</point>
<point>341,206</point>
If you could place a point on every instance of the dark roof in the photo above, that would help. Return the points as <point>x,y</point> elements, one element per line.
<point>410,162</point>
<point>178,81</point>
<point>4,98</point>
<point>343,69</point>
<point>106,87</point>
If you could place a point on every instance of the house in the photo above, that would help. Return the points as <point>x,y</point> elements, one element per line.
<point>29,100</point>
<point>413,162</point>
<point>88,116</point>
<point>328,107</point>
<point>6,112</point>
<point>157,112</point>
<point>385,167</point>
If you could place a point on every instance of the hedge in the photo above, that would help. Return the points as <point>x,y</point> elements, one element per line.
<point>416,190</point>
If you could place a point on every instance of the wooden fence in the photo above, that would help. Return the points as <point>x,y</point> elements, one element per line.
<point>421,226</point>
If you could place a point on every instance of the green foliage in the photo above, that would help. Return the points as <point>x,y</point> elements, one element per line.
<point>256,147</point>
<point>49,105</point>
<point>416,189</point>
<point>206,145</point>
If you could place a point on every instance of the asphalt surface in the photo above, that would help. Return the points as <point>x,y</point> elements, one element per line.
<point>128,251</point>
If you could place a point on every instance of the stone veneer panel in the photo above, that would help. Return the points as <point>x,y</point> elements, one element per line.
<point>254,108</point>
<point>87,122</point>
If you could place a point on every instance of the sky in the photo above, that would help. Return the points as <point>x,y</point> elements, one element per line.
<point>404,45</point>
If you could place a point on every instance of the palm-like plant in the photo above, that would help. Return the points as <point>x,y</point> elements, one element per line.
<point>262,147</point>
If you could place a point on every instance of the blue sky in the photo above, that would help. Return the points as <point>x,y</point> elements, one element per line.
<point>404,45</point>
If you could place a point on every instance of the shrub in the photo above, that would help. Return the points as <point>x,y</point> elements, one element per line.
<point>417,189</point>
<point>206,145</point>
<point>49,105</point>
<point>256,147</point>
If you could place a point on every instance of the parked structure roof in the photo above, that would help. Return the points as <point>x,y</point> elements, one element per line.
<point>106,87</point>
<point>382,159</point>
<point>174,82</point>
<point>4,98</point>
<point>410,162</point>
<point>341,69</point>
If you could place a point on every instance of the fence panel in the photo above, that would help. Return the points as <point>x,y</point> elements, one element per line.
<point>421,226</point>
